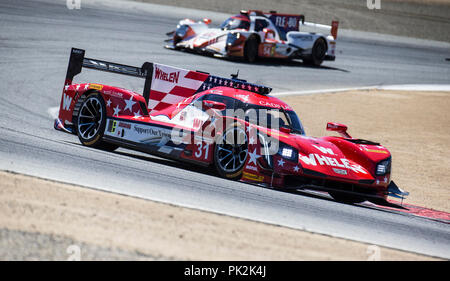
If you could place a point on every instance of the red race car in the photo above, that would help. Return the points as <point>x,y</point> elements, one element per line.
<point>229,123</point>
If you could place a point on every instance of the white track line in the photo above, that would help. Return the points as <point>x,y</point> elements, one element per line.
<point>405,87</point>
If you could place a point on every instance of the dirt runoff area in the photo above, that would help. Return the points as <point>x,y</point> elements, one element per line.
<point>414,126</point>
<point>426,19</point>
<point>45,220</point>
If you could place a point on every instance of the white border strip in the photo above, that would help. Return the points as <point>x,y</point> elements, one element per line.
<point>405,87</point>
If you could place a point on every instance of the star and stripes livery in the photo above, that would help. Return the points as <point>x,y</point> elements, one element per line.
<point>184,115</point>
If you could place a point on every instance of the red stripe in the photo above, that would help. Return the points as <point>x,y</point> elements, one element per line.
<point>161,106</point>
<point>182,91</point>
<point>196,76</point>
<point>155,95</point>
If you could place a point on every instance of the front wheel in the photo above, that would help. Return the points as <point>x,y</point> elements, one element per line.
<point>231,152</point>
<point>251,50</point>
<point>91,122</point>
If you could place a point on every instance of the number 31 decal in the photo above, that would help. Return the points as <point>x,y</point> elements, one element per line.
<point>202,148</point>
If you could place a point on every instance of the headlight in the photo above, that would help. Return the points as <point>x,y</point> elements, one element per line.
<point>288,152</point>
<point>232,37</point>
<point>181,30</point>
<point>383,167</point>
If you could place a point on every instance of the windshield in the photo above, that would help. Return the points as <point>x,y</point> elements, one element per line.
<point>236,22</point>
<point>274,118</point>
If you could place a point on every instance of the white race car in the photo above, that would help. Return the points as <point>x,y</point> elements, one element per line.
<point>254,34</point>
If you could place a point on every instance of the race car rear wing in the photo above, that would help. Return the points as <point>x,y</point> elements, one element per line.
<point>77,61</point>
<point>165,85</point>
<point>292,22</point>
<point>333,28</point>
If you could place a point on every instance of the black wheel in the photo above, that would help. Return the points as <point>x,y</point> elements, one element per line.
<point>251,49</point>
<point>91,122</point>
<point>231,152</point>
<point>319,51</point>
<point>347,198</point>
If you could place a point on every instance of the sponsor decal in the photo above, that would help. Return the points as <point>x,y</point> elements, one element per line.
<point>169,77</point>
<point>274,105</point>
<point>67,100</point>
<point>315,159</point>
<point>376,151</point>
<point>197,123</point>
<point>340,171</point>
<point>112,126</point>
<point>324,150</point>
<point>151,131</point>
<point>125,125</point>
<point>253,168</point>
<point>302,37</point>
<point>95,86</point>
<point>114,94</point>
<point>252,177</point>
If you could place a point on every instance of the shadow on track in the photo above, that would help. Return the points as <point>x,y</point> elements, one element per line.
<point>212,172</point>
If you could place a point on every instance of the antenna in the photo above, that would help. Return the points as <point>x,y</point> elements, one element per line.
<point>235,76</point>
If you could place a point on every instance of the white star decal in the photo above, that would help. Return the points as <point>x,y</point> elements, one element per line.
<point>252,140</point>
<point>296,168</point>
<point>78,87</point>
<point>116,110</point>
<point>280,162</point>
<point>253,157</point>
<point>66,87</point>
<point>86,86</point>
<point>129,104</point>
<point>108,103</point>
<point>136,114</point>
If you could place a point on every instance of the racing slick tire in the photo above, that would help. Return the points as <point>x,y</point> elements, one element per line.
<point>231,152</point>
<point>251,49</point>
<point>319,51</point>
<point>90,122</point>
<point>347,198</point>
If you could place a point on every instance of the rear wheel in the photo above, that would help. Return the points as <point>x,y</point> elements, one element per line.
<point>231,152</point>
<point>319,51</point>
<point>91,122</point>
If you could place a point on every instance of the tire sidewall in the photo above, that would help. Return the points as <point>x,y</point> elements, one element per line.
<point>95,140</point>
<point>252,46</point>
<point>317,61</point>
<point>234,175</point>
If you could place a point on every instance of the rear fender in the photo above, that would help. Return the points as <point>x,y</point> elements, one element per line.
<point>71,94</point>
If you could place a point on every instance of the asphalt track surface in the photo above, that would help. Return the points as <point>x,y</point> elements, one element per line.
<point>35,40</point>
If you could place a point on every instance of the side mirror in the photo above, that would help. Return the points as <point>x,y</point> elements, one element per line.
<point>207,21</point>
<point>268,31</point>
<point>285,130</point>
<point>340,128</point>
<point>208,104</point>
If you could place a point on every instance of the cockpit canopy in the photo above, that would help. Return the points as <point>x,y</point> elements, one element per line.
<point>236,22</point>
